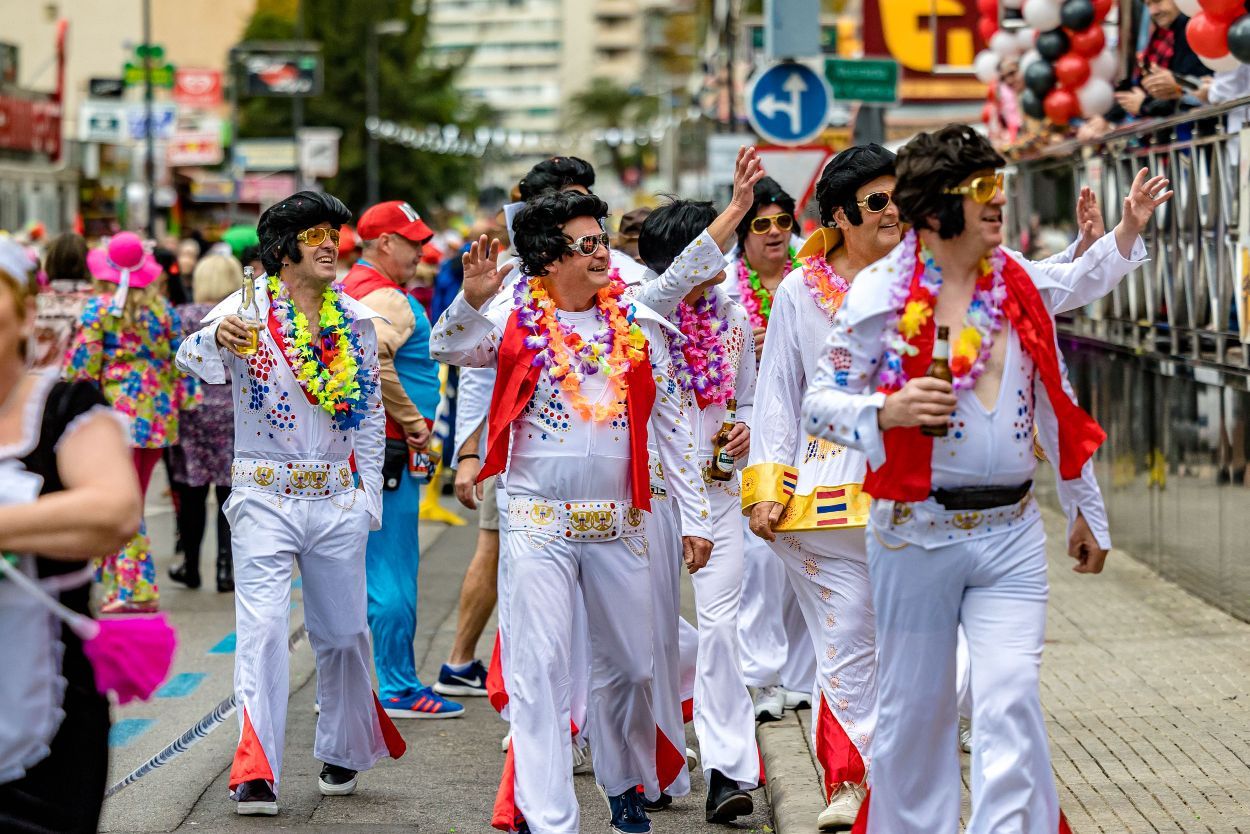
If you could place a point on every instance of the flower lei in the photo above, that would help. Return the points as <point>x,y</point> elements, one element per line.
<point>754,295</point>
<point>826,287</point>
<point>568,358</point>
<point>700,361</point>
<point>337,381</point>
<point>913,302</point>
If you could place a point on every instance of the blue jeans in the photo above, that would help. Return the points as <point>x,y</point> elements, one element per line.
<point>391,561</point>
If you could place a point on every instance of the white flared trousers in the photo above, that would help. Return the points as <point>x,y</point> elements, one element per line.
<point>724,719</point>
<point>995,586</point>
<point>772,636</point>
<point>671,775</point>
<point>546,575</point>
<point>327,538</point>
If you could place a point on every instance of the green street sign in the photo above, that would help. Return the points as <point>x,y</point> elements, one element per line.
<point>162,75</point>
<point>867,80</point>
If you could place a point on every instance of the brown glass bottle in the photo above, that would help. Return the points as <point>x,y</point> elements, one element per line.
<point>721,467</point>
<point>940,368</point>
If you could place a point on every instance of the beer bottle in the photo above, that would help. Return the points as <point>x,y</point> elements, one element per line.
<point>940,368</point>
<point>722,466</point>
<point>249,312</point>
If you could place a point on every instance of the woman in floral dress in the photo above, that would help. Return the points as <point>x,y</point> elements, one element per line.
<point>126,340</point>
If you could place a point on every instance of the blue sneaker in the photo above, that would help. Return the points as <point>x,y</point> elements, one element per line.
<point>628,815</point>
<point>469,683</point>
<point>424,704</point>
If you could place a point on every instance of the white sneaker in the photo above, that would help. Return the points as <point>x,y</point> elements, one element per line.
<point>965,735</point>
<point>770,703</point>
<point>796,699</point>
<point>843,808</point>
<point>692,760</point>
<point>581,760</point>
<point>506,743</point>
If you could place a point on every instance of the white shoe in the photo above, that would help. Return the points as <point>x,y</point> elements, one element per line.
<point>796,699</point>
<point>506,743</point>
<point>770,703</point>
<point>692,760</point>
<point>843,808</point>
<point>581,760</point>
<point>965,735</point>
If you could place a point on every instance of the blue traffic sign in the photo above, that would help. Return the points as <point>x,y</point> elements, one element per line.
<point>788,103</point>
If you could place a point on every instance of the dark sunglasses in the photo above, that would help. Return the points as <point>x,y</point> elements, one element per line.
<point>762,225</point>
<point>876,202</point>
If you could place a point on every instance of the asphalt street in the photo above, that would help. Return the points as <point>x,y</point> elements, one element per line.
<point>445,783</point>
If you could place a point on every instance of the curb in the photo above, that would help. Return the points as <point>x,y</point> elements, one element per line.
<point>793,783</point>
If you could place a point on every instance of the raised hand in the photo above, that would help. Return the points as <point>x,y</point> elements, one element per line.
<point>748,170</point>
<point>482,275</point>
<point>1089,219</point>
<point>1146,194</point>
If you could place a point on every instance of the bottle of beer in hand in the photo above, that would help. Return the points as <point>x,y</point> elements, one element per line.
<point>249,312</point>
<point>940,368</point>
<point>722,466</point>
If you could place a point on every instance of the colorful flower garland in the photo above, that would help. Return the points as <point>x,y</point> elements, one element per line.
<point>757,298</point>
<point>913,304</point>
<point>826,287</point>
<point>568,359</point>
<point>700,361</point>
<point>338,382</point>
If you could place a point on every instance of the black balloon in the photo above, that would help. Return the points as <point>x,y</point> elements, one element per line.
<point>1053,45</point>
<point>1039,77</point>
<point>1031,103</point>
<point>1077,15</point>
<point>1239,39</point>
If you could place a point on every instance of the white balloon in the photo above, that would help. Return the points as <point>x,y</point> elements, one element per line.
<point>1004,45</point>
<point>1189,8</point>
<point>1224,63</point>
<point>985,66</point>
<point>1011,4</point>
<point>1029,57</point>
<point>1105,66</point>
<point>1025,38</point>
<point>1096,97</point>
<point>1042,15</point>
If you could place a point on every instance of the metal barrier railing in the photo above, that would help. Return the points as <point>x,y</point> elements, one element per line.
<point>1183,305</point>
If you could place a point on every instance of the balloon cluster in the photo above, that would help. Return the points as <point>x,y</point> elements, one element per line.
<point>1067,66</point>
<point>1218,32</point>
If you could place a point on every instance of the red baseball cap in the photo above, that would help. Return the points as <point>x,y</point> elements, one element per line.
<point>393,217</point>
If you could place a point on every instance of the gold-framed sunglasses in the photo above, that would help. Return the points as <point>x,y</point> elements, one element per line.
<point>876,202</point>
<point>317,236</point>
<point>762,225</point>
<point>981,189</point>
<point>589,244</point>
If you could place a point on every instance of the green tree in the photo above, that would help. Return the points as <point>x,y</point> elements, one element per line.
<point>608,106</point>
<point>412,91</point>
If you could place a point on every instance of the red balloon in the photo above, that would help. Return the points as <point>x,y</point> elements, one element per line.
<point>1225,10</point>
<point>1072,70</point>
<point>1102,8</point>
<point>1061,106</point>
<point>1088,43</point>
<point>988,8</point>
<point>987,113</point>
<point>1207,36</point>
<point>988,26</point>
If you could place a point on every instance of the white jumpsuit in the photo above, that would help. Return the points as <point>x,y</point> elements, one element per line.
<point>295,500</point>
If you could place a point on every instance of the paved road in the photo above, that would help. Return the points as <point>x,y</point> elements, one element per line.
<point>446,782</point>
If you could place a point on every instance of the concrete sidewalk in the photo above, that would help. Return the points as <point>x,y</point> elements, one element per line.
<point>1147,695</point>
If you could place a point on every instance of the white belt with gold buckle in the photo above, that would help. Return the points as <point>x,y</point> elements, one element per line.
<point>293,478</point>
<point>583,521</point>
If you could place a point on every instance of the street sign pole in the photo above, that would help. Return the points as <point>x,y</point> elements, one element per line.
<point>149,163</point>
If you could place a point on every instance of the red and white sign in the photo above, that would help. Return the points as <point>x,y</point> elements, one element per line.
<point>197,87</point>
<point>194,149</point>
<point>30,124</point>
<point>796,169</point>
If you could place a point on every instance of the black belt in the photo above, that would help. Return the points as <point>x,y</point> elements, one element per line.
<point>981,498</point>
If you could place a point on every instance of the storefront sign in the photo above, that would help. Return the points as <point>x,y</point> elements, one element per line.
<point>30,124</point>
<point>936,59</point>
<point>196,87</point>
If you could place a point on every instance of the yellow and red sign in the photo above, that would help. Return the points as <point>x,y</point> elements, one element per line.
<point>937,65</point>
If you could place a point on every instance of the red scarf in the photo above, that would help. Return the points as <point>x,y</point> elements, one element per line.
<point>515,383</point>
<point>907,472</point>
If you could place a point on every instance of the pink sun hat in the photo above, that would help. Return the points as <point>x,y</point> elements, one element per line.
<point>123,261</point>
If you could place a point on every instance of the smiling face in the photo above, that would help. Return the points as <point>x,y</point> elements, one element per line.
<point>318,263</point>
<point>773,246</point>
<point>983,222</point>
<point>575,278</point>
<point>880,231</point>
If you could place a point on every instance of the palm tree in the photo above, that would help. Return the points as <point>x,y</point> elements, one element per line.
<point>607,105</point>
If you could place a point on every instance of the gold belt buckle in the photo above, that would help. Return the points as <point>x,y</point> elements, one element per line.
<point>263,475</point>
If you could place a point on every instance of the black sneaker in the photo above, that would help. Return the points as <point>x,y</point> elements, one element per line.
<point>336,781</point>
<point>256,798</point>
<point>659,804</point>
<point>628,815</point>
<point>725,800</point>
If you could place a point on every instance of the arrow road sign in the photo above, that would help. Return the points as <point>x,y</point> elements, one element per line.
<point>788,104</point>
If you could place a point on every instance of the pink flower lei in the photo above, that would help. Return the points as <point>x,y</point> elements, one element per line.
<point>700,361</point>
<point>826,287</point>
